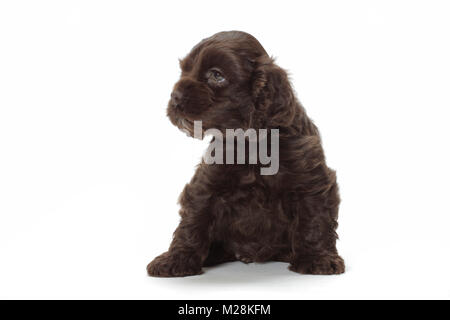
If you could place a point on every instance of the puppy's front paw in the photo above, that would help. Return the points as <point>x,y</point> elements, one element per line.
<point>244,259</point>
<point>330,264</point>
<point>172,264</point>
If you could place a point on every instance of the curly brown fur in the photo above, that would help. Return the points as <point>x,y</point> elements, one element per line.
<point>231,212</point>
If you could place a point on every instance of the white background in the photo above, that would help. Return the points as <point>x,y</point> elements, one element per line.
<point>91,168</point>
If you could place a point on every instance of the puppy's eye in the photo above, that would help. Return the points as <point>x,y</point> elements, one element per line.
<point>215,76</point>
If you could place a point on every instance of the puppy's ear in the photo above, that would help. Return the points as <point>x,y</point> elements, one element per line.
<point>259,75</point>
<point>272,93</point>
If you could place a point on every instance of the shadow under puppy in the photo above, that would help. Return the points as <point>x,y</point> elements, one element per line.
<point>233,212</point>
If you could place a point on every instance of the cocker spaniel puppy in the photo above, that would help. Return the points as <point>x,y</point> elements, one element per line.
<point>234,212</point>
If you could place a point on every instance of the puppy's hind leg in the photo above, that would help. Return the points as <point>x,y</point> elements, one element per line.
<point>314,236</point>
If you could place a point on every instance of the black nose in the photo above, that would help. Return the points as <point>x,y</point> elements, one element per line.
<point>176,97</point>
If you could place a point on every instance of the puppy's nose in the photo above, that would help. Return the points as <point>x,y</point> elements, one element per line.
<point>176,97</point>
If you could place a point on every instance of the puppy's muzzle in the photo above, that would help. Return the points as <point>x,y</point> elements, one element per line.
<point>176,99</point>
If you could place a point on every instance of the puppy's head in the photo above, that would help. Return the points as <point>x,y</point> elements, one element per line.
<point>228,81</point>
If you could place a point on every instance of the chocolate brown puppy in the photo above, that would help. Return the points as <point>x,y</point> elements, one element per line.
<point>232,212</point>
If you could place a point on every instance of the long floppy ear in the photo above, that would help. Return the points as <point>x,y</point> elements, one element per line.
<point>273,96</point>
